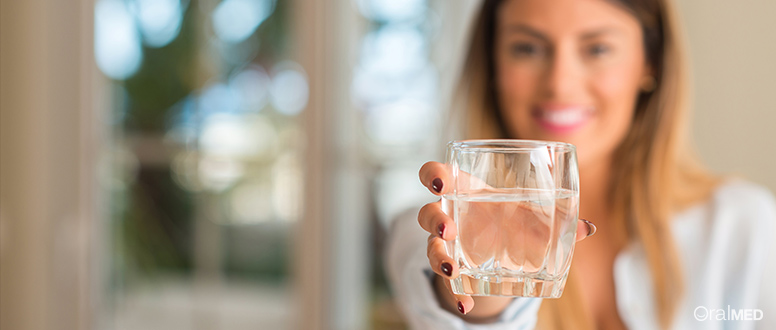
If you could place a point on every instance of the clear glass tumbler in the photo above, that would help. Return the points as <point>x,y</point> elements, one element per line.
<point>515,204</point>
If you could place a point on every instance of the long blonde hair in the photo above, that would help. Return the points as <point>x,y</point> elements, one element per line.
<point>655,174</point>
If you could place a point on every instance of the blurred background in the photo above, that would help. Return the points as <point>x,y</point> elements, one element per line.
<point>235,164</point>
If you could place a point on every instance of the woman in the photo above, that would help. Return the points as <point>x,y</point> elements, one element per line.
<point>673,241</point>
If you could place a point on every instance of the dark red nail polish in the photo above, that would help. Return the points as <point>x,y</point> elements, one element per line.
<point>460,307</point>
<point>447,269</point>
<point>437,185</point>
<point>441,230</point>
<point>591,228</point>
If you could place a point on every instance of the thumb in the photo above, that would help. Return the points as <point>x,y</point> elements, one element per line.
<point>584,229</point>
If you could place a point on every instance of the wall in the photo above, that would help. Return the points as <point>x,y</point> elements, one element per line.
<point>47,139</point>
<point>733,51</point>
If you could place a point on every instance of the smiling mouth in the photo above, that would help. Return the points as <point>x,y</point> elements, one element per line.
<point>562,119</point>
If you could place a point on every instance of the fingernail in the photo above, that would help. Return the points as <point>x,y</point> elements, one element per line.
<point>441,230</point>
<point>437,185</point>
<point>590,228</point>
<point>460,307</point>
<point>447,268</point>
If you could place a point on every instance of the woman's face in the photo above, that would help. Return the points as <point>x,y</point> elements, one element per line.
<point>569,70</point>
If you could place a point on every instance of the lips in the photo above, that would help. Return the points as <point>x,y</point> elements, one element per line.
<point>562,119</point>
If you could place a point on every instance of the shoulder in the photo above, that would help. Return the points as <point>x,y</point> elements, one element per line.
<point>734,203</point>
<point>726,244</point>
<point>743,212</point>
<point>743,208</point>
<point>732,232</point>
<point>740,196</point>
<point>723,243</point>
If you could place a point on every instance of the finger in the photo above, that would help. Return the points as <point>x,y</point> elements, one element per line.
<point>436,177</point>
<point>464,303</point>
<point>435,221</point>
<point>441,263</point>
<point>585,229</point>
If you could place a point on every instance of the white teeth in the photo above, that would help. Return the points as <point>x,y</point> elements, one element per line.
<point>564,117</point>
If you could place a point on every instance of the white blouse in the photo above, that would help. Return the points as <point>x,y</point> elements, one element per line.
<point>728,251</point>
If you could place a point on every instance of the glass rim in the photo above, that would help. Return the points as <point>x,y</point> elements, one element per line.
<point>509,145</point>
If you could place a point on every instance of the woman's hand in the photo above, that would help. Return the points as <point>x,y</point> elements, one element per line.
<point>437,178</point>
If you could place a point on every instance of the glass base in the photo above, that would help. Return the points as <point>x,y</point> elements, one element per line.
<point>511,286</point>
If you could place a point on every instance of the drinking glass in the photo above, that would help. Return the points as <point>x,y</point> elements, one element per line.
<point>515,204</point>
